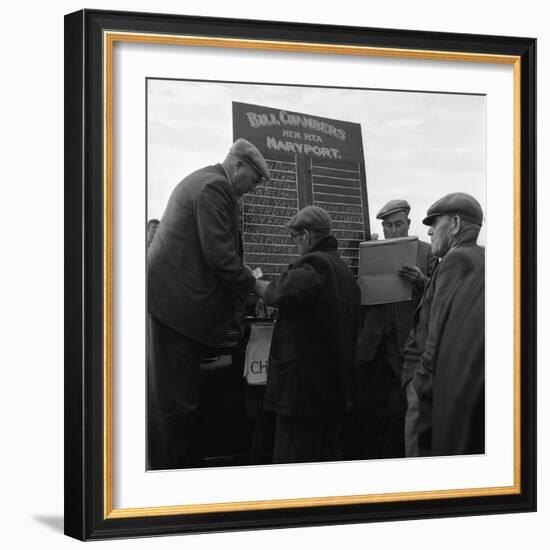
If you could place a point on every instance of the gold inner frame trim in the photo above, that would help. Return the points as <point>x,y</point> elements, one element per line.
<point>109,39</point>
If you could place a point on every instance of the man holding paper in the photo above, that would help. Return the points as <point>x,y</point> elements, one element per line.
<point>378,400</point>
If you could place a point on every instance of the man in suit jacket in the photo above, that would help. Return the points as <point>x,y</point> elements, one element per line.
<point>445,353</point>
<point>313,343</point>
<point>195,277</point>
<point>378,400</point>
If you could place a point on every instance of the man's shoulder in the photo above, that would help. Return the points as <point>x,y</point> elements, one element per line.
<point>463,258</point>
<point>325,251</point>
<point>460,253</point>
<point>211,181</point>
<point>208,174</point>
<point>317,260</point>
<point>311,257</point>
<point>325,261</point>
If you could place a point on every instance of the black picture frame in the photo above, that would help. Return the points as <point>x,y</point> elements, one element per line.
<point>87,495</point>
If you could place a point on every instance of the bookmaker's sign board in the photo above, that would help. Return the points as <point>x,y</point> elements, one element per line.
<point>312,160</point>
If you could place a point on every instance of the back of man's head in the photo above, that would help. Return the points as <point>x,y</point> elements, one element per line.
<point>313,218</point>
<point>309,225</point>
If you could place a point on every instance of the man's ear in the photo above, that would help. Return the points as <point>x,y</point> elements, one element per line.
<point>409,222</point>
<point>457,224</point>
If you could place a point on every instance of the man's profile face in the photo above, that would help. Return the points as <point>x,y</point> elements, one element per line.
<point>440,233</point>
<point>245,178</point>
<point>396,225</point>
<point>300,238</point>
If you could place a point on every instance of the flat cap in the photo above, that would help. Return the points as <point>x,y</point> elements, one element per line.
<point>245,151</point>
<point>397,205</point>
<point>310,217</point>
<point>455,203</point>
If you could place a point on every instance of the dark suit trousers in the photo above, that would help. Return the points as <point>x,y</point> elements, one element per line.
<point>173,387</point>
<point>380,403</point>
<point>302,439</point>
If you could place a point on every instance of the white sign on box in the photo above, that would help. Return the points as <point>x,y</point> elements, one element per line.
<point>257,354</point>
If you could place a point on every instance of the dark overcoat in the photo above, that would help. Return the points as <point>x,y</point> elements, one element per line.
<point>445,356</point>
<point>195,271</point>
<point>314,338</point>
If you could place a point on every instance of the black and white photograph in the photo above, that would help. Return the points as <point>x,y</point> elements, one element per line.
<point>300,275</point>
<point>315,273</point>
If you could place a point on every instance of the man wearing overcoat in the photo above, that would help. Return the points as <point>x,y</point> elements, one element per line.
<point>378,400</point>
<point>195,277</point>
<point>445,354</point>
<point>313,343</point>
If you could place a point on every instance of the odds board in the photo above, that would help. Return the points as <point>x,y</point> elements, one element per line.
<point>312,160</point>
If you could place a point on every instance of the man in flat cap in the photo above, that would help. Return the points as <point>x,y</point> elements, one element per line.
<point>195,277</point>
<point>313,343</point>
<point>379,401</point>
<point>445,352</point>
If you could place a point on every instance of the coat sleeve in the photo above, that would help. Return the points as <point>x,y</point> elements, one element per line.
<point>214,214</point>
<point>449,278</point>
<point>295,286</point>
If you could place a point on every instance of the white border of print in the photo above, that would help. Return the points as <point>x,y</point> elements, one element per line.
<point>133,487</point>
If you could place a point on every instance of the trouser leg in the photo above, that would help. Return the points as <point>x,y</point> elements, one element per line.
<point>173,380</point>
<point>302,439</point>
<point>411,422</point>
<point>371,389</point>
<point>395,406</point>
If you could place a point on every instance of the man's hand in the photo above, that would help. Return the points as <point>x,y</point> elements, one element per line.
<point>257,272</point>
<point>260,287</point>
<point>414,275</point>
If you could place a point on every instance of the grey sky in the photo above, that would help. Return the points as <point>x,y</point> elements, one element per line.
<point>418,146</point>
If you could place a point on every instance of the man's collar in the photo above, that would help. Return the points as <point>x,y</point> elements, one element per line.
<point>227,175</point>
<point>325,243</point>
<point>223,171</point>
